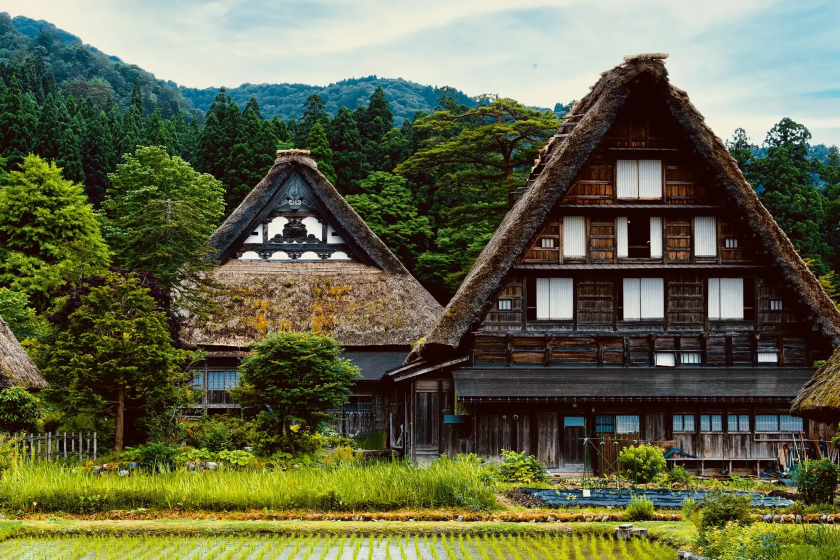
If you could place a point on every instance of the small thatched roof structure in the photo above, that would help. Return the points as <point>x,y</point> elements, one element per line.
<point>372,301</point>
<point>819,398</point>
<point>555,173</point>
<point>16,367</point>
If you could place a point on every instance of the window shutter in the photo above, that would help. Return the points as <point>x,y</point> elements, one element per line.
<point>705,236</point>
<point>768,357</point>
<point>731,298</point>
<point>652,298</point>
<point>656,238</point>
<point>543,298</point>
<point>632,307</point>
<point>650,178</point>
<point>621,237</point>
<point>561,298</point>
<point>666,359</point>
<point>714,298</point>
<point>574,236</point>
<point>627,177</point>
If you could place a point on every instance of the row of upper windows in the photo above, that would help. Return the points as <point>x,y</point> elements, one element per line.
<point>642,299</point>
<point>638,238</point>
<point>629,423</point>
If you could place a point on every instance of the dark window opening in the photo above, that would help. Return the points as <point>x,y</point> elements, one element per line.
<point>638,238</point>
<point>749,299</point>
<point>531,303</point>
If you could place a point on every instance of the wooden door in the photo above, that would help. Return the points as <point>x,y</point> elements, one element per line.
<point>574,430</point>
<point>427,417</point>
<point>547,439</point>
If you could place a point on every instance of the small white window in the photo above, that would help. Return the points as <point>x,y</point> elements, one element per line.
<point>726,298</point>
<point>766,423</point>
<point>547,243</point>
<point>638,238</point>
<point>738,423</point>
<point>768,357</point>
<point>775,305</point>
<point>666,359</point>
<point>554,298</point>
<point>639,179</point>
<point>705,236</point>
<point>626,424</point>
<point>790,423</point>
<point>574,236</point>
<point>711,423</point>
<point>644,298</point>
<point>656,238</point>
<point>731,243</point>
<point>504,305</point>
<point>690,358</point>
<point>683,422</point>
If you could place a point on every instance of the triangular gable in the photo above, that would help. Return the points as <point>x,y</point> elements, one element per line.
<point>555,173</point>
<point>294,187</point>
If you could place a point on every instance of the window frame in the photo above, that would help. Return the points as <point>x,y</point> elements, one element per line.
<point>711,423</point>
<point>641,303</point>
<point>551,281</point>
<point>683,417</point>
<point>508,304</point>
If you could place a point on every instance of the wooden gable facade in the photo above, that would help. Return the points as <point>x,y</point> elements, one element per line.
<point>637,291</point>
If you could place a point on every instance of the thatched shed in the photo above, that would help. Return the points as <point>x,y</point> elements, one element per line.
<point>819,399</point>
<point>16,367</point>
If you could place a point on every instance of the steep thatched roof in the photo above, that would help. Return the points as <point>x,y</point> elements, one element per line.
<point>376,302</point>
<point>555,174</point>
<point>819,398</point>
<point>16,368</point>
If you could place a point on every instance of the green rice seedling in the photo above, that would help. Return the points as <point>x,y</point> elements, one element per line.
<point>433,547</point>
<point>403,555</point>
<point>417,546</point>
<point>495,545</point>
<point>357,548</point>
<point>577,552</point>
<point>447,546</point>
<point>370,548</point>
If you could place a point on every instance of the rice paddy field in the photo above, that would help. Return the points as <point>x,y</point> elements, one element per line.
<point>337,547</point>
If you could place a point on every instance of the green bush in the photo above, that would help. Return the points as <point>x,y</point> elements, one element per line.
<point>157,456</point>
<point>20,410</point>
<point>518,467</point>
<point>817,481</point>
<point>723,508</point>
<point>691,512</point>
<point>640,509</point>
<point>219,432</point>
<point>679,475</point>
<point>644,461</point>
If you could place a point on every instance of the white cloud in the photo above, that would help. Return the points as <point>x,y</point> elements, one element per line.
<point>745,63</point>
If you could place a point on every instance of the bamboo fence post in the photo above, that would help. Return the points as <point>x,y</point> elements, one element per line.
<point>65,446</point>
<point>49,445</point>
<point>31,448</point>
<point>38,439</point>
<point>87,445</point>
<point>80,446</point>
<point>94,447</point>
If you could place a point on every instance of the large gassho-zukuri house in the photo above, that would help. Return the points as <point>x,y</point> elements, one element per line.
<point>636,291</point>
<point>295,256</point>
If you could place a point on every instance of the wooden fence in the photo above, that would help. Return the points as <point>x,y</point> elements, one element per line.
<point>349,424</point>
<point>54,446</point>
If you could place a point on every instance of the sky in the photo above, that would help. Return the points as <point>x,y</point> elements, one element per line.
<point>744,63</point>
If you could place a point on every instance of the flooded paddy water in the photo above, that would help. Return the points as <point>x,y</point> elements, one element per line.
<point>336,547</point>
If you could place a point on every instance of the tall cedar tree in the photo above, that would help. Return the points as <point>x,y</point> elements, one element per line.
<point>830,176</point>
<point>115,354</point>
<point>314,112</point>
<point>69,157</point>
<point>296,375</point>
<point>159,215</point>
<point>18,122</point>
<point>319,146</point>
<point>48,232</point>
<point>52,123</point>
<point>348,157</point>
<point>97,157</point>
<point>388,207</point>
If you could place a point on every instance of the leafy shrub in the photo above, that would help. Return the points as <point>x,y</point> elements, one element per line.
<point>11,453</point>
<point>157,456</point>
<point>340,456</point>
<point>193,455</point>
<point>644,461</point>
<point>219,432</point>
<point>640,509</point>
<point>817,481</point>
<point>518,467</point>
<point>679,475</point>
<point>691,512</point>
<point>724,508</point>
<point>374,440</point>
<point>236,458</point>
<point>20,410</point>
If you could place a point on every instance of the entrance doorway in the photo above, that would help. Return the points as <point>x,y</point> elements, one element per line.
<point>574,430</point>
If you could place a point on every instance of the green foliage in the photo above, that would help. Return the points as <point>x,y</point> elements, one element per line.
<point>387,206</point>
<point>20,410</point>
<point>298,376</point>
<point>15,310</point>
<point>817,481</point>
<point>11,453</point>
<point>158,217</point>
<point>640,509</point>
<point>692,512</point>
<point>318,144</point>
<point>219,432</point>
<point>723,508</point>
<point>18,121</point>
<point>157,456</point>
<point>678,474</point>
<point>349,161</point>
<point>644,461</point>
<point>521,468</point>
<point>236,457</point>
<point>374,440</point>
<point>115,355</point>
<point>48,232</point>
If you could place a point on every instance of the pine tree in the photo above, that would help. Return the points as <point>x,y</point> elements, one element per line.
<point>292,133</point>
<point>132,132</point>
<point>18,122</point>
<point>137,97</point>
<point>348,158</point>
<point>52,122</point>
<point>378,119</point>
<point>318,144</point>
<point>189,142</point>
<point>251,156</point>
<point>314,111</point>
<point>69,157</point>
<point>740,149</point>
<point>280,129</point>
<point>154,133</point>
<point>96,158</point>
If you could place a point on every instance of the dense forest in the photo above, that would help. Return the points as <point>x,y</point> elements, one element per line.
<point>434,185</point>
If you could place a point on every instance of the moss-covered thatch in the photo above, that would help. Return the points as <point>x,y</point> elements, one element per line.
<point>16,367</point>
<point>555,173</point>
<point>820,397</point>
<point>376,302</point>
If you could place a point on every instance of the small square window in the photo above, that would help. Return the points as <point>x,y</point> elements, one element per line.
<point>766,423</point>
<point>775,305</point>
<point>768,357</point>
<point>666,359</point>
<point>504,305</point>
<point>738,423</point>
<point>683,422</point>
<point>731,243</point>
<point>628,424</point>
<point>790,423</point>
<point>547,243</point>
<point>711,423</point>
<point>690,358</point>
<point>604,424</point>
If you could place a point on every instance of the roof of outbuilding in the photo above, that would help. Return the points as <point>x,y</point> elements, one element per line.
<point>16,367</point>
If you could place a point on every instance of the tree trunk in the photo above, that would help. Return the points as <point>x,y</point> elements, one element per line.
<point>119,420</point>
